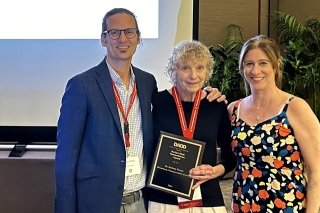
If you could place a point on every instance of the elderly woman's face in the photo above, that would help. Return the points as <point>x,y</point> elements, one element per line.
<point>191,77</point>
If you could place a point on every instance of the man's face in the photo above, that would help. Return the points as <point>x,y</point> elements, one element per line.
<point>123,48</point>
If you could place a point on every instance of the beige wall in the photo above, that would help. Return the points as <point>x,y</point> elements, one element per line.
<point>184,26</point>
<point>215,15</point>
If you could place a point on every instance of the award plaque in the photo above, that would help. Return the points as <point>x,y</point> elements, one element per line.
<point>174,157</point>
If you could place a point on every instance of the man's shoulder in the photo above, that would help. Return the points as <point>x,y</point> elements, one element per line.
<point>91,72</point>
<point>84,76</point>
<point>145,79</point>
<point>138,71</point>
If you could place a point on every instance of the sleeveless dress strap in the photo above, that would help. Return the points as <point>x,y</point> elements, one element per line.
<point>236,109</point>
<point>287,103</point>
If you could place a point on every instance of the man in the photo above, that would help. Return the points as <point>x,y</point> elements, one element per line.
<point>105,131</point>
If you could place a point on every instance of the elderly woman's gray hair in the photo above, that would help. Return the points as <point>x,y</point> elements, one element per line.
<point>186,51</point>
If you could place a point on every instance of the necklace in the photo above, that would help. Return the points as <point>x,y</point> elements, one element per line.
<point>255,110</point>
<point>261,112</point>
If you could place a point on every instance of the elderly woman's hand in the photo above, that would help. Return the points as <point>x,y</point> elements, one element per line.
<point>205,172</point>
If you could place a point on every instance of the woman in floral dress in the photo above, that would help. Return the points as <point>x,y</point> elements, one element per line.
<point>276,138</point>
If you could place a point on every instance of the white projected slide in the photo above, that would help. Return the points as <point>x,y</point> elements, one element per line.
<point>34,72</point>
<point>70,19</point>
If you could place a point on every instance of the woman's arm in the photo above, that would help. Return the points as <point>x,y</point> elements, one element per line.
<point>227,157</point>
<point>307,132</point>
<point>206,172</point>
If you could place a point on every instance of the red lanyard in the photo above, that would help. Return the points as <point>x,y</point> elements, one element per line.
<point>123,113</point>
<point>187,132</point>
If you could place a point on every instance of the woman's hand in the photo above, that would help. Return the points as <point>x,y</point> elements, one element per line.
<point>204,173</point>
<point>214,94</point>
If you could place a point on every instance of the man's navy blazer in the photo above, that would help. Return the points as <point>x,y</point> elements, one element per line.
<point>91,157</point>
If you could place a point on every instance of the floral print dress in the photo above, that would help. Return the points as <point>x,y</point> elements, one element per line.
<point>270,171</point>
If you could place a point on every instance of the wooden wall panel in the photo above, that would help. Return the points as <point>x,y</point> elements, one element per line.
<point>215,15</point>
<point>302,10</point>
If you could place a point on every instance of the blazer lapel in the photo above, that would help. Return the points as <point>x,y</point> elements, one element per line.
<point>144,103</point>
<point>105,83</point>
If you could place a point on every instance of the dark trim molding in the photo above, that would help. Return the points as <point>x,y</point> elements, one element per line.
<point>195,22</point>
<point>259,17</point>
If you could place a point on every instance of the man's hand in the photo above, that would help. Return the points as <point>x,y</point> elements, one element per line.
<point>215,94</point>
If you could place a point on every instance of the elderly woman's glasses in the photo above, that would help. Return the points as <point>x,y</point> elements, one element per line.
<point>114,34</point>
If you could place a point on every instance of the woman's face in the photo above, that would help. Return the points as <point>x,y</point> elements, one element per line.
<point>258,70</point>
<point>191,77</point>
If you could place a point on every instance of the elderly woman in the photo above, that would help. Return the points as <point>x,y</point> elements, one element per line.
<point>190,66</point>
<point>275,137</point>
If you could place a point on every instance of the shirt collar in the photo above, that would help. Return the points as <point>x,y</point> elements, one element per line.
<point>116,78</point>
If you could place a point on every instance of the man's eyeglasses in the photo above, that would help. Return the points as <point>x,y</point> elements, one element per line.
<point>114,34</point>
